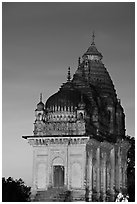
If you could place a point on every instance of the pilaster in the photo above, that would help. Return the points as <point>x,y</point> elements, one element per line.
<point>124,149</point>
<point>104,173</point>
<point>90,164</point>
<point>121,179</point>
<point>112,179</point>
<point>34,188</point>
<point>94,168</point>
<point>106,149</point>
<point>98,171</point>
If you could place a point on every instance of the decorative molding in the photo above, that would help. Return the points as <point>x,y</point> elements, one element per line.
<point>44,141</point>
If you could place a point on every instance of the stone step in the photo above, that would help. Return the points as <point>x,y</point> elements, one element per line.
<point>78,196</point>
<point>53,195</point>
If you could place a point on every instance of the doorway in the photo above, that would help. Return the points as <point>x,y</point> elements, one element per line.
<point>58,176</point>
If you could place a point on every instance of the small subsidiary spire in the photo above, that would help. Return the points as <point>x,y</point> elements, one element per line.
<point>40,97</point>
<point>40,105</point>
<point>69,76</point>
<point>81,103</point>
<point>93,38</point>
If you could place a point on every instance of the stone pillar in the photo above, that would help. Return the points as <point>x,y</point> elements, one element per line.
<point>34,184</point>
<point>116,168</point>
<point>94,174</point>
<point>104,176</point>
<point>118,177</point>
<point>108,176</point>
<point>112,178</point>
<point>120,168</point>
<point>50,169</point>
<point>107,169</point>
<point>124,168</point>
<point>98,171</point>
<point>124,174</point>
<point>112,158</point>
<point>68,166</point>
<point>124,149</point>
<point>90,176</point>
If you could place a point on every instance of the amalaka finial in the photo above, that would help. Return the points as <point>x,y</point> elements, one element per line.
<point>40,97</point>
<point>69,76</point>
<point>93,37</point>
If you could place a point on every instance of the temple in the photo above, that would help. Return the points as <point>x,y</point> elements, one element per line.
<point>79,143</point>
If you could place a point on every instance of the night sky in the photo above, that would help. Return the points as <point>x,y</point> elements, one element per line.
<point>40,42</point>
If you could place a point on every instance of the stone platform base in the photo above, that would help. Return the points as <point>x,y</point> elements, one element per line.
<point>64,195</point>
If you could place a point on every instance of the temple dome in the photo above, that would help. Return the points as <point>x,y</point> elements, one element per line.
<point>66,97</point>
<point>63,98</point>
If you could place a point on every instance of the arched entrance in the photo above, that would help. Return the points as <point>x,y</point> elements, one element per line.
<point>58,172</point>
<point>58,176</point>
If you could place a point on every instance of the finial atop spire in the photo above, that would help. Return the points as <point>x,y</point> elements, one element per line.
<point>93,38</point>
<point>40,97</point>
<point>69,76</point>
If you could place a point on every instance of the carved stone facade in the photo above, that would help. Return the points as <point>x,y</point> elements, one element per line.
<point>79,140</point>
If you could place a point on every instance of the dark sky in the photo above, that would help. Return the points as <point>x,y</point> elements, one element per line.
<point>40,41</point>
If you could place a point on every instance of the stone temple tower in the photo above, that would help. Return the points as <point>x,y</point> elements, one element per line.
<point>79,143</point>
